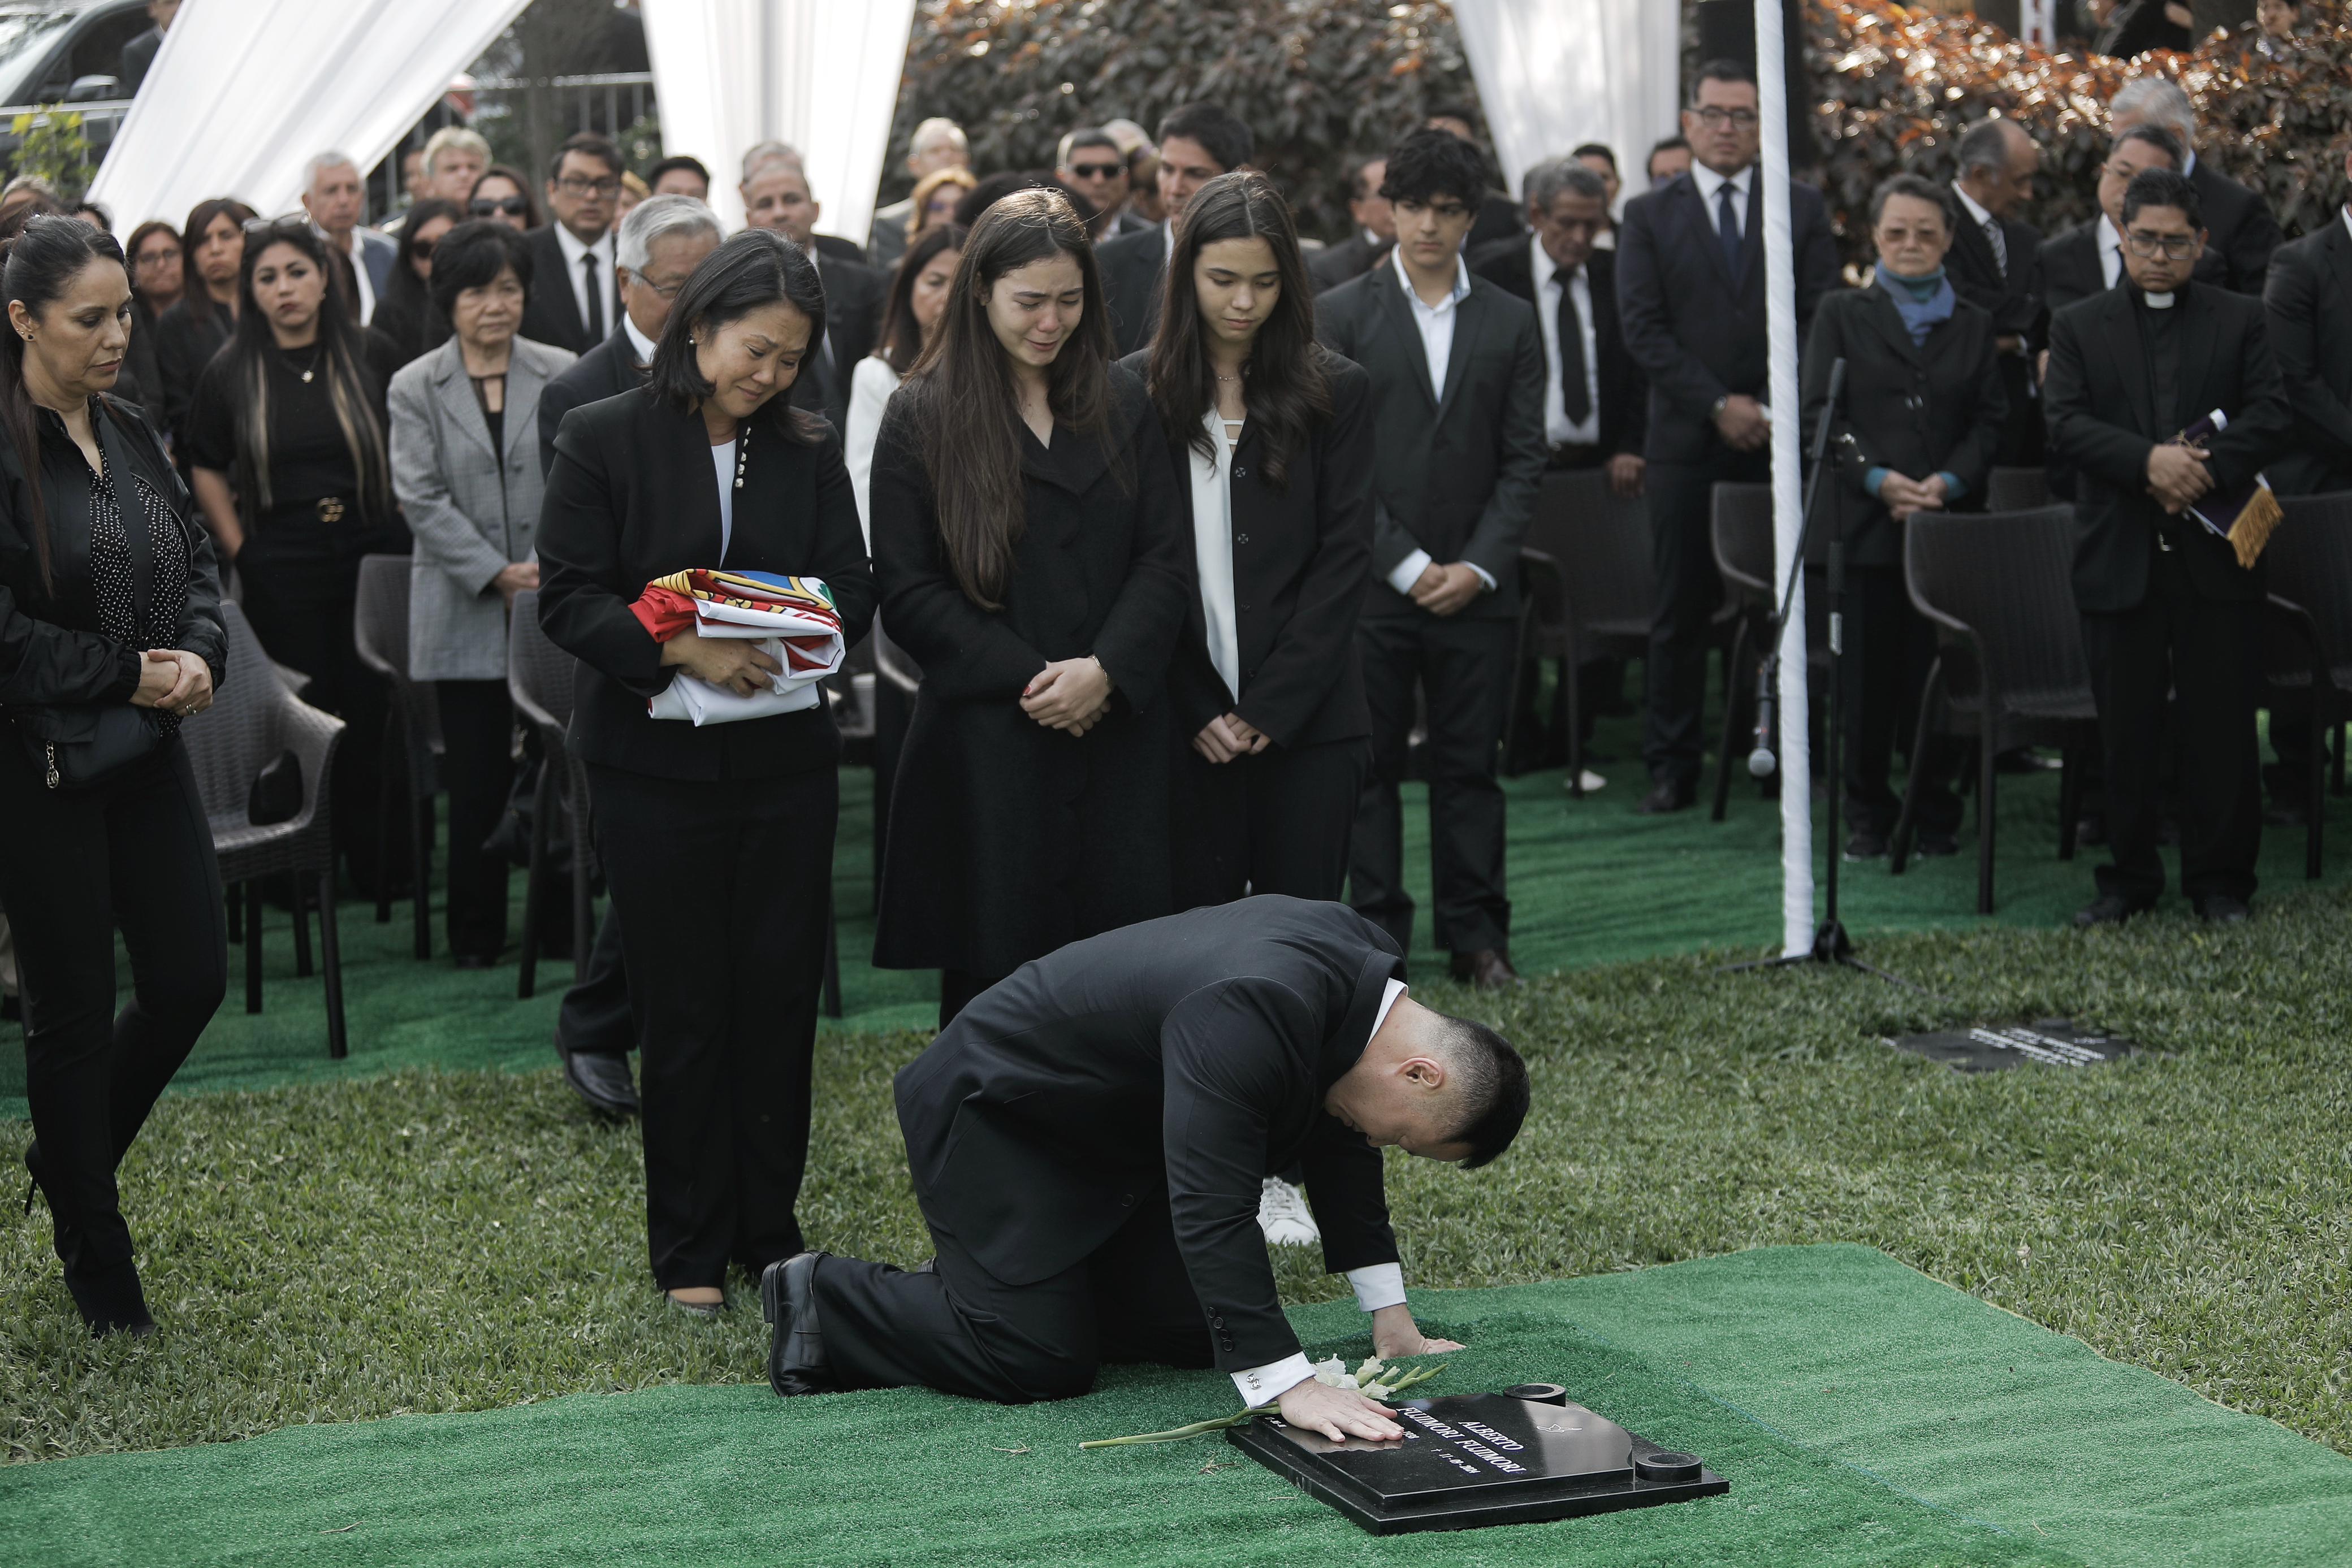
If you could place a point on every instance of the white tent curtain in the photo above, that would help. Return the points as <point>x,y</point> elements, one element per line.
<point>822,75</point>
<point>1554,74</point>
<point>244,93</point>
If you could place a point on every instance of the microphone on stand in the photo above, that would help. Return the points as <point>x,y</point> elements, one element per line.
<point>1762,762</point>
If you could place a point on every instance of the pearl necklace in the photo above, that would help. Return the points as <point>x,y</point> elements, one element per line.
<point>742,451</point>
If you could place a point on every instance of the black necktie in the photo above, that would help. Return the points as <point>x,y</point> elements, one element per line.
<point>2000,243</point>
<point>596,299</point>
<point>1575,397</point>
<point>1727,219</point>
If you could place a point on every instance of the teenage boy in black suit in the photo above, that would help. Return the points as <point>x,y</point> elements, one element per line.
<point>2166,606</point>
<point>1690,290</point>
<point>1086,1141</point>
<point>1457,368</point>
<point>1197,144</point>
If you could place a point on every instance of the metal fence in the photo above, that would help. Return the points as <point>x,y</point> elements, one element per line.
<point>525,118</point>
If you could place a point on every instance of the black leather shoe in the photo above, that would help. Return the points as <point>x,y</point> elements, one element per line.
<point>602,1081</point>
<point>2110,909</point>
<point>1487,969</point>
<point>1865,844</point>
<point>795,1346</point>
<point>2220,909</point>
<point>1930,845</point>
<point>1665,796</point>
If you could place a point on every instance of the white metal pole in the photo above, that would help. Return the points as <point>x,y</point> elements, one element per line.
<point>1787,484</point>
<point>2038,24</point>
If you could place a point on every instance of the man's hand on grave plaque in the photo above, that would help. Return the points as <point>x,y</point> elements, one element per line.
<point>1337,1412</point>
<point>1396,1335</point>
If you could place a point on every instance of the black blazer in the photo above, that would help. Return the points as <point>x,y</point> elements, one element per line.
<point>1351,258</point>
<point>2014,302</point>
<point>1132,268</point>
<point>51,648</point>
<point>2071,270</point>
<point>1915,409</point>
<point>608,369</point>
<point>2241,233</point>
<point>1625,390</point>
<point>1179,1061</point>
<point>1499,218</point>
<point>853,297</point>
<point>1300,560</point>
<point>2309,299</point>
<point>632,497</point>
<point>2102,422</point>
<point>552,314</point>
<point>1454,471</point>
<point>187,335</point>
<point>1697,338</point>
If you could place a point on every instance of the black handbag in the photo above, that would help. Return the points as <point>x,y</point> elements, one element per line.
<point>84,744</point>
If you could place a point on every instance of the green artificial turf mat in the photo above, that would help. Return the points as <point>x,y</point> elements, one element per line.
<point>1969,1438</point>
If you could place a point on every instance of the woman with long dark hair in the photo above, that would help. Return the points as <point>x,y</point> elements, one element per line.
<point>716,840</point>
<point>191,331</point>
<point>406,313</point>
<point>920,286</point>
<point>290,460</point>
<point>110,638</point>
<point>1032,560</point>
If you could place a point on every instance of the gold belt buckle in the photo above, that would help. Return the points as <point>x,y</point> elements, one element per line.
<point>331,508</point>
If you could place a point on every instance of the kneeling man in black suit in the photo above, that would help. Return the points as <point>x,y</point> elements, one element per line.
<point>1089,1139</point>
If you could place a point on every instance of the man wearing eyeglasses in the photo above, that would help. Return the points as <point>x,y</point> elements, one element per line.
<point>2167,608</point>
<point>1690,291</point>
<point>575,292</point>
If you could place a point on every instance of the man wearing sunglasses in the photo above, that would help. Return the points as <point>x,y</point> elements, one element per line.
<point>574,298</point>
<point>1092,165</point>
<point>2168,611</point>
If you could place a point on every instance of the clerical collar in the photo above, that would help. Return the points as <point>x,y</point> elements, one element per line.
<point>2160,301</point>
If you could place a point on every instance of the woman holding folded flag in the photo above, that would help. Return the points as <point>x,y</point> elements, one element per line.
<point>703,532</point>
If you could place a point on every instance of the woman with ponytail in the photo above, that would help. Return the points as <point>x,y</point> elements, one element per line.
<point>286,443</point>
<point>1033,560</point>
<point>110,639</point>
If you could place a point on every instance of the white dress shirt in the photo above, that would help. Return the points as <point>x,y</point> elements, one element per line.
<point>357,250</point>
<point>1436,324</point>
<point>1376,1285</point>
<point>2111,251</point>
<point>1558,430</point>
<point>639,344</point>
<point>870,386</point>
<point>723,463</point>
<point>569,243</point>
<point>1709,184</point>
<point>1212,549</point>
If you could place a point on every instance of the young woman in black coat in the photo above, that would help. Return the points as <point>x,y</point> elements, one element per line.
<point>1917,430</point>
<point>110,638</point>
<point>1031,558</point>
<point>1271,435</point>
<point>717,841</point>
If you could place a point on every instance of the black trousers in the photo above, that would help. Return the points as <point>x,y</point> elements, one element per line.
<point>1689,589</point>
<point>1463,668</point>
<point>595,1020</point>
<point>2203,650</point>
<point>960,1329</point>
<point>301,610</point>
<point>1889,646</point>
<point>135,853</point>
<point>477,769</point>
<point>721,888</point>
<point>1276,822</point>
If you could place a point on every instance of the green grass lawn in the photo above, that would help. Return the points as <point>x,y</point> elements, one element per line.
<point>436,1240</point>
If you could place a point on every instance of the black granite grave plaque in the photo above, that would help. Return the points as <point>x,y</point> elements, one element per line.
<point>1470,1460</point>
<point>1988,1047</point>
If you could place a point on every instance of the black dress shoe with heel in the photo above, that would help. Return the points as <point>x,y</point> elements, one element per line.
<point>796,1362</point>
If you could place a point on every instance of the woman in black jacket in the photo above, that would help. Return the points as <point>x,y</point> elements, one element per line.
<point>717,840</point>
<point>110,638</point>
<point>1272,733</point>
<point>1917,429</point>
<point>1032,560</point>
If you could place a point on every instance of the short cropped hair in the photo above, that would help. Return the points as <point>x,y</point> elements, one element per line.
<point>2158,101</point>
<point>2158,137</point>
<point>1087,136</point>
<point>1597,150</point>
<point>472,255</point>
<point>1490,1080</point>
<point>657,217</point>
<point>670,166</point>
<point>456,136</point>
<point>1721,71</point>
<point>1915,187</point>
<point>588,144</point>
<point>1985,148</point>
<point>1548,179</point>
<point>2163,188</point>
<point>1227,140</point>
<point>1429,164</point>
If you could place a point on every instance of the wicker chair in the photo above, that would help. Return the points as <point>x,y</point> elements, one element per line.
<point>2010,667</point>
<point>252,722</point>
<point>411,731</point>
<point>1739,527</point>
<point>2310,643</point>
<point>1587,566</point>
<point>2017,489</point>
<point>539,678</point>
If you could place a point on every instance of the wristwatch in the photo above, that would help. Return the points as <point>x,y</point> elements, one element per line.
<point>1721,405</point>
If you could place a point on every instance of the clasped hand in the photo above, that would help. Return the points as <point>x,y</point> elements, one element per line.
<point>2176,474</point>
<point>1902,496</point>
<point>1068,694</point>
<point>1743,424</point>
<point>1447,589</point>
<point>737,664</point>
<point>1224,738</point>
<point>173,680</point>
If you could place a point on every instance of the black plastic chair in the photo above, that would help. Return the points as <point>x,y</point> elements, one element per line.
<point>2017,489</point>
<point>2010,668</point>
<point>2309,649</point>
<point>538,679</point>
<point>253,721</point>
<point>1739,529</point>
<point>1587,569</point>
<point>412,732</point>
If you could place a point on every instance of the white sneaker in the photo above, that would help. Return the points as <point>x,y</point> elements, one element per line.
<point>1283,1215</point>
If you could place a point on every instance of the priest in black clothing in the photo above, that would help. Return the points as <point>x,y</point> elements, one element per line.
<point>2166,606</point>
<point>1087,1139</point>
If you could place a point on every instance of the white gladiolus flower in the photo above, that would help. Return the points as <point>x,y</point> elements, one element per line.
<point>1376,1391</point>
<point>1371,1368</point>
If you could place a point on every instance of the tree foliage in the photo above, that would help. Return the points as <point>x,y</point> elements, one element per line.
<point>1314,78</point>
